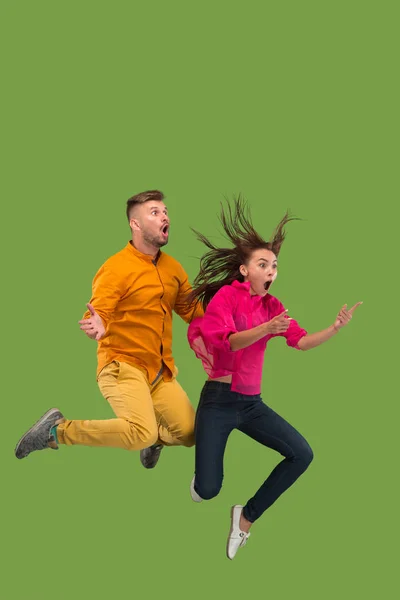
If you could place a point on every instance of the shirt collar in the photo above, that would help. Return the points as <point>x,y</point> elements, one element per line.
<point>245,286</point>
<point>145,257</point>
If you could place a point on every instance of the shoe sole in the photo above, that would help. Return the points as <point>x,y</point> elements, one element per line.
<point>151,465</point>
<point>34,427</point>
<point>229,536</point>
<point>192,491</point>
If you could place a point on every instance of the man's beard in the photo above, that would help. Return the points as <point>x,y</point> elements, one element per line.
<point>157,242</point>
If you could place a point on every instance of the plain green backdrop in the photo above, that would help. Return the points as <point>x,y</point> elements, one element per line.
<point>294,104</point>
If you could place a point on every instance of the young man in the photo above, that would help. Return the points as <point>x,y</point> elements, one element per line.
<point>130,316</point>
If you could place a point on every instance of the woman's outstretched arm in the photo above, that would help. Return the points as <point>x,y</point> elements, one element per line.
<point>312,340</point>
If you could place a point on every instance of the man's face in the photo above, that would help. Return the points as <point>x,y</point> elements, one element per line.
<point>150,221</point>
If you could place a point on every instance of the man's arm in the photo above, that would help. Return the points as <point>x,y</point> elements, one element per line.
<point>186,310</point>
<point>107,289</point>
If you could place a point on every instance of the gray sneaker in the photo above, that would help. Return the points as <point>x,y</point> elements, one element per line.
<point>149,456</point>
<point>39,437</point>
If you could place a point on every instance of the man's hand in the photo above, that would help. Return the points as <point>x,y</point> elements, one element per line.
<point>93,327</point>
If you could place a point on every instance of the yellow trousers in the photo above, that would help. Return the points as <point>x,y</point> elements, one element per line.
<point>145,414</point>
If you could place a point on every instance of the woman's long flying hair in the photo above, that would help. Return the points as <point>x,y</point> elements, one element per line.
<point>220,266</point>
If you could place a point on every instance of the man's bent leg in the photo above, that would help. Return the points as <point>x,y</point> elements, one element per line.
<point>135,427</point>
<point>174,413</point>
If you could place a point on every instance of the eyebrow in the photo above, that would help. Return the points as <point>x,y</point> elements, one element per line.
<point>158,208</point>
<point>265,260</point>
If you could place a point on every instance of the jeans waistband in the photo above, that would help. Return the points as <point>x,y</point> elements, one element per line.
<point>225,393</point>
<point>217,385</point>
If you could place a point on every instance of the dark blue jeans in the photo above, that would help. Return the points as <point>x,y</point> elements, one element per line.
<point>219,412</point>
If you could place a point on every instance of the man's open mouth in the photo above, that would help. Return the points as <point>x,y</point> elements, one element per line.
<point>165,229</point>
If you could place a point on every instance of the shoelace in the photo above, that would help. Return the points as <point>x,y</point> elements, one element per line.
<point>245,537</point>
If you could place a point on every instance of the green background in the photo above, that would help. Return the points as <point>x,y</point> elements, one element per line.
<point>294,104</point>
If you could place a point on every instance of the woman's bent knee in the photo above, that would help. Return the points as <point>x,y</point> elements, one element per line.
<point>209,490</point>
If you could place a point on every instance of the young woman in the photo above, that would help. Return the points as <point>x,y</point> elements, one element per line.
<point>240,318</point>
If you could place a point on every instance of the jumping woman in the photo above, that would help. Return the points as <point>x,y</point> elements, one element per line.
<point>240,318</point>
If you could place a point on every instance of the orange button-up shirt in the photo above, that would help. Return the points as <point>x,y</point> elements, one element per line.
<point>135,298</point>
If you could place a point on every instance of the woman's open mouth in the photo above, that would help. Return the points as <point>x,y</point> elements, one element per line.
<point>267,285</point>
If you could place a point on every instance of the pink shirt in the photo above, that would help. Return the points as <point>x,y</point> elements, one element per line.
<point>231,310</point>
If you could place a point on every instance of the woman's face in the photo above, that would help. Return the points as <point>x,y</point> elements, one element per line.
<point>261,270</point>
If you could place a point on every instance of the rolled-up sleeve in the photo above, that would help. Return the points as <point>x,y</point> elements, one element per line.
<point>294,332</point>
<point>217,323</point>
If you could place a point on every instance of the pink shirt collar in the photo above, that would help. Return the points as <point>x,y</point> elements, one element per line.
<point>244,285</point>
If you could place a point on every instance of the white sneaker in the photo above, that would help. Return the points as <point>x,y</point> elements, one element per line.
<point>237,537</point>
<point>193,493</point>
